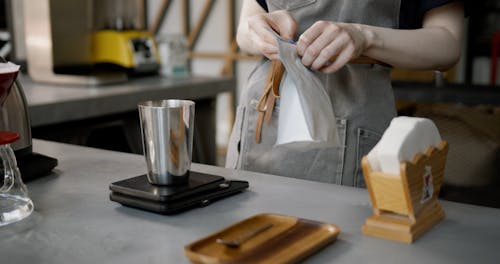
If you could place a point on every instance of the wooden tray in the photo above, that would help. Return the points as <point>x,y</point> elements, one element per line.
<point>288,240</point>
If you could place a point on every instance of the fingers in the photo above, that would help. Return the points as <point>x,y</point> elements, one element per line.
<point>260,34</point>
<point>319,43</point>
<point>317,48</point>
<point>285,24</point>
<point>342,59</point>
<point>327,46</point>
<point>309,36</point>
<point>265,44</point>
<point>262,26</point>
<point>332,50</point>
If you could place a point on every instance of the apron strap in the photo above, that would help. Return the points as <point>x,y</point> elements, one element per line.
<point>365,60</point>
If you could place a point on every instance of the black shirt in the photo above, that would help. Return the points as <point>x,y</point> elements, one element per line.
<point>411,12</point>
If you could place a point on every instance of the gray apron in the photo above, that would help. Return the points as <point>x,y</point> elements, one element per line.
<point>361,95</point>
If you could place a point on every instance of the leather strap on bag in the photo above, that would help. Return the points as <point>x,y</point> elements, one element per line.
<point>268,98</point>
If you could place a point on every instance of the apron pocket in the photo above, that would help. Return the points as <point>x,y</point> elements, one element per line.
<point>366,140</point>
<point>329,160</point>
<point>234,145</point>
<point>291,4</point>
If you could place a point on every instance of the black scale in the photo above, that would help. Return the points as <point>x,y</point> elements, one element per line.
<point>34,165</point>
<point>200,190</point>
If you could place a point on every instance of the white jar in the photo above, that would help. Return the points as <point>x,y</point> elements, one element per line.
<point>173,51</point>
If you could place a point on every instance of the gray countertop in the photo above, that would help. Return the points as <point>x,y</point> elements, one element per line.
<point>74,221</point>
<point>52,103</point>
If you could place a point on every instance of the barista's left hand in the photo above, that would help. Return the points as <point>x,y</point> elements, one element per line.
<point>327,46</point>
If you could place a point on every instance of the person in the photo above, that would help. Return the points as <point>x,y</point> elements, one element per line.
<point>410,34</point>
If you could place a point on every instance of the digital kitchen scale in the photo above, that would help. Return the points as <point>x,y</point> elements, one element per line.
<point>200,190</point>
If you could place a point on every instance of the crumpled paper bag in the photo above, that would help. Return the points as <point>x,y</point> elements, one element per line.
<point>306,112</point>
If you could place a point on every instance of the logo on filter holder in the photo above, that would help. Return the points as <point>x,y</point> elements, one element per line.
<point>428,187</point>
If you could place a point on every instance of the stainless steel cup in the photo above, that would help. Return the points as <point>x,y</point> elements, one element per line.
<point>167,139</point>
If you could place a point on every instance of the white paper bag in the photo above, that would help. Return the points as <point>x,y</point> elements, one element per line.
<point>306,112</point>
<point>292,125</point>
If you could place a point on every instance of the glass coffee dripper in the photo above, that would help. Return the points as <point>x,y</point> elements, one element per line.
<point>14,201</point>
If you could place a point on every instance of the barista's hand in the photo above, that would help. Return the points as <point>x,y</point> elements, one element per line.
<point>327,46</point>
<point>259,27</point>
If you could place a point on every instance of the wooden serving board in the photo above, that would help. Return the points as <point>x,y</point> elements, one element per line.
<point>289,240</point>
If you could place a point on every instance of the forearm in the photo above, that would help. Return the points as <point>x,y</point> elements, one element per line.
<point>436,46</point>
<point>421,49</point>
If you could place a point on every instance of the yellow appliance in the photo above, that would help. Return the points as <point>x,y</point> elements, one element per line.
<point>82,41</point>
<point>134,50</point>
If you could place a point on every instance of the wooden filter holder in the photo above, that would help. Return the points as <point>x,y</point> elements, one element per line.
<point>405,206</point>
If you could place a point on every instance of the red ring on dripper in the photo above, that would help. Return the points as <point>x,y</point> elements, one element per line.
<point>7,137</point>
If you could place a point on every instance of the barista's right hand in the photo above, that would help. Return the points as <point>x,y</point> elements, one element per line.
<point>260,26</point>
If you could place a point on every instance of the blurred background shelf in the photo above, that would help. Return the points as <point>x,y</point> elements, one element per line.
<point>468,94</point>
